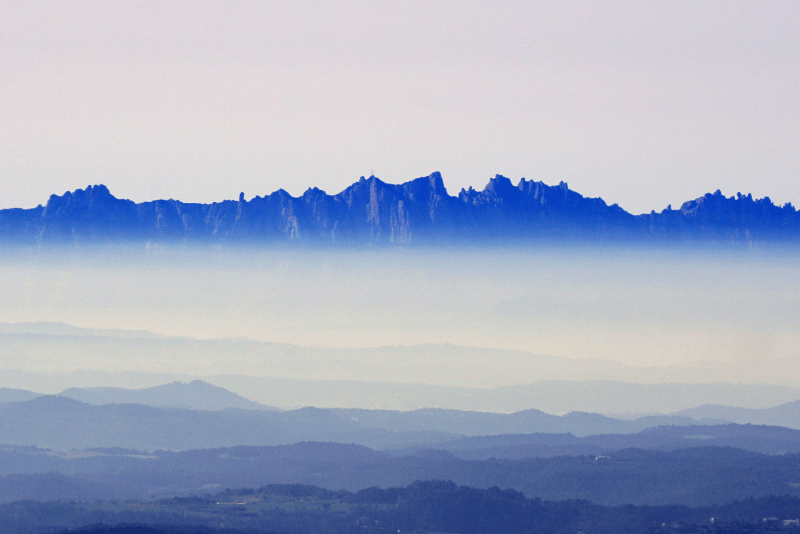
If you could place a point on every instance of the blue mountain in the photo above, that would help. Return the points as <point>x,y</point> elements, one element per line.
<point>419,211</point>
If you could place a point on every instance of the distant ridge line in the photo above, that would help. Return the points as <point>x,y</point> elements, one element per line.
<point>419,211</point>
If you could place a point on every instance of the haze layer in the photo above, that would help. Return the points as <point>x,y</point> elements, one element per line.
<point>709,308</point>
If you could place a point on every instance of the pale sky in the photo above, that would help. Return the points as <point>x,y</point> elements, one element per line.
<point>643,103</point>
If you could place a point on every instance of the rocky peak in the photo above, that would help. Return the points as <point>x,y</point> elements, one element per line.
<point>437,184</point>
<point>499,186</point>
<point>93,198</point>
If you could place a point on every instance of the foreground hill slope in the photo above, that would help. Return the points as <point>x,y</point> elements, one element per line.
<point>695,476</point>
<point>430,506</point>
<point>373,211</point>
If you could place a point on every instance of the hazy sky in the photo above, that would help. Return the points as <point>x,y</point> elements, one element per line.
<point>644,103</point>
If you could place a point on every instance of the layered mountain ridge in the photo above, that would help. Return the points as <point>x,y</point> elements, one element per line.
<point>418,211</point>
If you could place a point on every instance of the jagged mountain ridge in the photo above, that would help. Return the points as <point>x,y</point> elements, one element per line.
<point>374,211</point>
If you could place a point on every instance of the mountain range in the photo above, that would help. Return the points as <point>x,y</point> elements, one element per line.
<point>180,416</point>
<point>418,211</point>
<point>671,474</point>
<point>52,357</point>
<point>116,447</point>
<point>64,423</point>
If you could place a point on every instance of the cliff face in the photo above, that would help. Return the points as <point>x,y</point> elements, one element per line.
<point>372,211</point>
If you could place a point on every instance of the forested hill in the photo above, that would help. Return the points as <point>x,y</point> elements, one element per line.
<point>421,507</point>
<point>419,211</point>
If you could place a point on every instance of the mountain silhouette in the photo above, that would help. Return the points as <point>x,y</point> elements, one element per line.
<point>420,211</point>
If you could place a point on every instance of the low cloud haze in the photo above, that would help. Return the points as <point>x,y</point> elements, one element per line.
<point>706,308</point>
